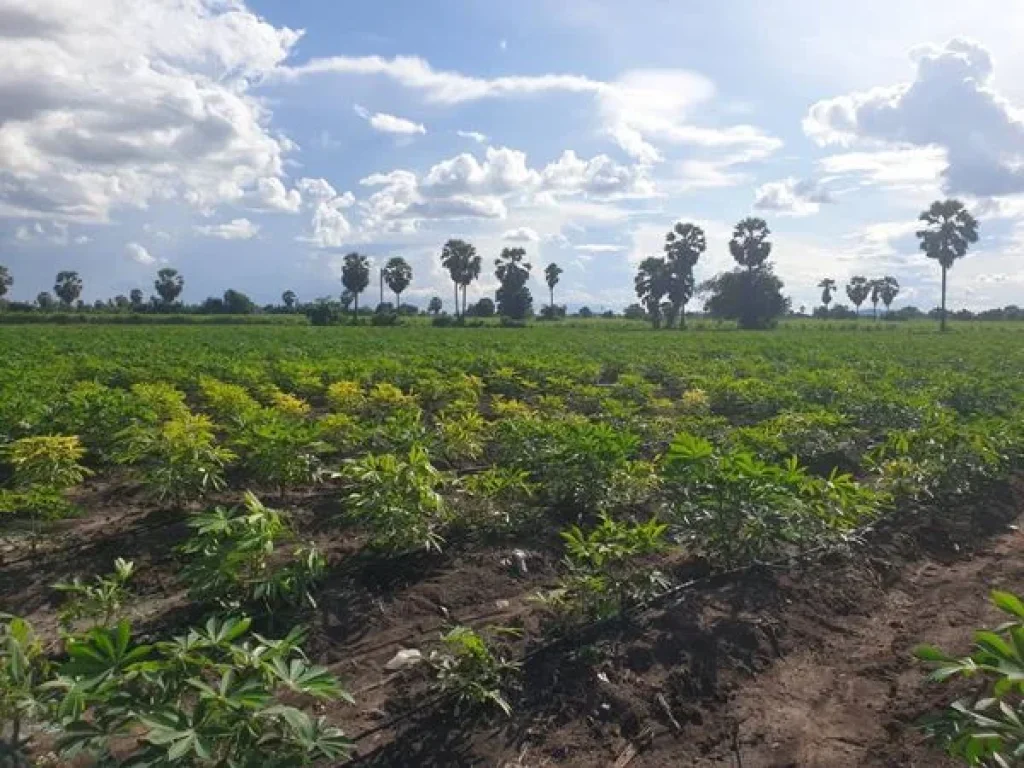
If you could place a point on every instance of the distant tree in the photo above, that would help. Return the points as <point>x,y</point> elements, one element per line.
<point>435,306</point>
<point>384,308</point>
<point>355,276</point>
<point>288,297</point>
<point>237,303</point>
<point>684,245</point>
<point>68,287</point>
<point>513,271</point>
<point>483,308</point>
<point>551,274</point>
<point>858,289</point>
<point>6,281</point>
<point>586,312</point>
<point>212,305</point>
<point>463,264</point>
<point>168,285</point>
<point>45,300</point>
<point>634,312</point>
<point>889,290</point>
<point>408,309</point>
<point>122,302</point>
<point>753,297</point>
<point>749,245</point>
<point>828,285</point>
<point>875,296</point>
<point>137,298</point>
<point>398,276</point>
<point>652,283</point>
<point>949,231</point>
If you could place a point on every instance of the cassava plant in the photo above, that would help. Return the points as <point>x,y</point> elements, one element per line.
<point>98,602</point>
<point>471,667</point>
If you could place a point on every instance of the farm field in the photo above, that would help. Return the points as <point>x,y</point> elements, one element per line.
<point>608,545</point>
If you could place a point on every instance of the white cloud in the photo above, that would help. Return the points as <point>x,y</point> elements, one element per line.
<point>386,123</point>
<point>112,104</point>
<point>272,195</point>
<point>479,138</point>
<point>909,167</point>
<point>236,229</point>
<point>600,248</point>
<point>792,197</point>
<point>600,176</point>
<point>50,232</point>
<point>139,254</point>
<point>950,104</point>
<point>521,235</point>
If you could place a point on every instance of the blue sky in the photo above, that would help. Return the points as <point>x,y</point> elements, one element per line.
<point>251,145</point>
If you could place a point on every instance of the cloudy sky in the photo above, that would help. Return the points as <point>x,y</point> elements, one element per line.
<point>251,144</point>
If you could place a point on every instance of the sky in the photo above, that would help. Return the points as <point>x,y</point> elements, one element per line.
<point>251,145</point>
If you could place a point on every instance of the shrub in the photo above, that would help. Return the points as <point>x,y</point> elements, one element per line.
<point>280,452</point>
<point>469,667</point>
<point>50,461</point>
<point>98,602</point>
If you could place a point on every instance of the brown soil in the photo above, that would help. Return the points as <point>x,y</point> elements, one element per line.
<point>807,665</point>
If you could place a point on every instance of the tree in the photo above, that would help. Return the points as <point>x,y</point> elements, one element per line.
<point>398,276</point>
<point>551,274</point>
<point>463,264</point>
<point>168,285</point>
<point>121,302</point>
<point>652,284</point>
<point>753,297</point>
<point>858,289</point>
<point>355,276</point>
<point>828,285</point>
<point>586,312</point>
<point>237,303</point>
<point>749,245</point>
<point>68,287</point>
<point>6,281</point>
<point>512,271</point>
<point>889,290</point>
<point>483,308</point>
<point>288,297</point>
<point>45,300</point>
<point>684,245</point>
<point>435,306</point>
<point>634,312</point>
<point>876,295</point>
<point>949,231</point>
<point>137,298</point>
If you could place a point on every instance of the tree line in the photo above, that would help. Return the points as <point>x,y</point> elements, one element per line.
<point>751,293</point>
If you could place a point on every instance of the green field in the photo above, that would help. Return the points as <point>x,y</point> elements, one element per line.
<point>621,458</point>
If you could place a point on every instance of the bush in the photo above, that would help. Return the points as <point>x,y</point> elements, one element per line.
<point>752,297</point>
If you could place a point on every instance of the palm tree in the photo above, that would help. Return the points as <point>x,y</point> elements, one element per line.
<point>949,232</point>
<point>168,285</point>
<point>288,297</point>
<point>889,290</point>
<point>551,274</point>
<point>684,245</point>
<point>827,286</point>
<point>876,294</point>
<point>6,281</point>
<point>463,264</point>
<point>858,289</point>
<point>749,244</point>
<point>68,287</point>
<point>355,276</point>
<point>398,276</point>
<point>653,281</point>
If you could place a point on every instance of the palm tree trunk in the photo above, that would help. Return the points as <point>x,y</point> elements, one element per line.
<point>456,299</point>
<point>552,305</point>
<point>682,317</point>
<point>355,314</point>
<point>942,321</point>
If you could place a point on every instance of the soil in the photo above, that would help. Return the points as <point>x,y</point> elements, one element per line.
<point>808,665</point>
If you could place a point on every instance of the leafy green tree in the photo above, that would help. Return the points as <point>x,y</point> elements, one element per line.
<point>889,290</point>
<point>949,231</point>
<point>355,276</point>
<point>288,297</point>
<point>652,283</point>
<point>6,281</point>
<point>137,298</point>
<point>857,290</point>
<point>828,285</point>
<point>483,308</point>
<point>749,245</point>
<point>168,285</point>
<point>45,300</point>
<point>512,271</point>
<point>398,276</point>
<point>435,306</point>
<point>551,274</point>
<point>463,264</point>
<point>876,296</point>
<point>684,245</point>
<point>68,287</point>
<point>237,303</point>
<point>752,297</point>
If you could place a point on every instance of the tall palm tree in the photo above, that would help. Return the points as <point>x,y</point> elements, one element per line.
<point>827,286</point>
<point>551,274</point>
<point>858,289</point>
<point>876,295</point>
<point>684,245</point>
<point>749,245</point>
<point>889,291</point>
<point>463,264</point>
<point>398,276</point>
<point>653,281</point>
<point>355,276</point>
<point>949,231</point>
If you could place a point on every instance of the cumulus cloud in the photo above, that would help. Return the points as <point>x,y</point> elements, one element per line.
<point>49,232</point>
<point>108,104</point>
<point>910,167</point>
<point>271,195</point>
<point>139,254</point>
<point>793,197</point>
<point>386,123</point>
<point>599,248</point>
<point>951,105</point>
<point>236,229</point>
<point>521,235</point>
